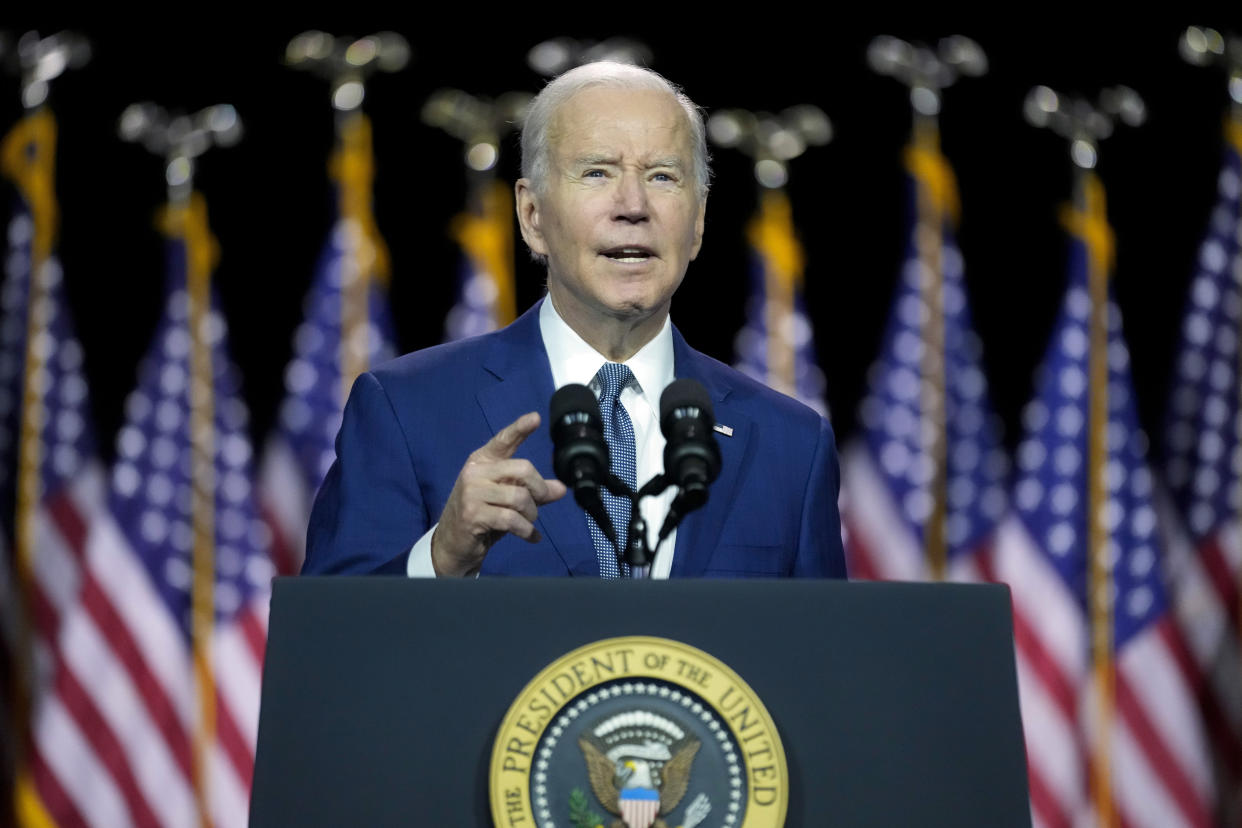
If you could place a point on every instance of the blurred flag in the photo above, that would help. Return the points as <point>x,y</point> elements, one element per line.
<point>485,292</point>
<point>776,345</point>
<point>1202,460</point>
<point>167,642</point>
<point>51,480</point>
<point>347,328</point>
<point>931,451</point>
<point>1112,732</point>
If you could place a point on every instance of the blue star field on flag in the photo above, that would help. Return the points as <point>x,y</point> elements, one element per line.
<point>66,438</point>
<point>776,345</point>
<point>151,493</point>
<point>1201,432</point>
<point>310,415</point>
<point>1051,495</point>
<point>893,419</point>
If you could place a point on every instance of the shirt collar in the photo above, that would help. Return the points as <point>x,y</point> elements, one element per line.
<point>574,361</point>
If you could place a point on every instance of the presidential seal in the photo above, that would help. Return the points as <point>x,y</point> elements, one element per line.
<point>638,732</point>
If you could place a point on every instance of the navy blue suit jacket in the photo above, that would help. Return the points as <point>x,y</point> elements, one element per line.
<point>410,424</point>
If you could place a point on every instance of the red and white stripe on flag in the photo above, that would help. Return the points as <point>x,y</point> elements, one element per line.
<point>880,544</point>
<point>1160,777</point>
<point>1205,603</point>
<point>284,503</point>
<point>116,737</point>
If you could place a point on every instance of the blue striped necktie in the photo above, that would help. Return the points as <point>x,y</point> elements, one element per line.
<point>613,377</point>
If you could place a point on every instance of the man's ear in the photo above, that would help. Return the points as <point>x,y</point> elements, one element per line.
<point>699,224</point>
<point>529,217</point>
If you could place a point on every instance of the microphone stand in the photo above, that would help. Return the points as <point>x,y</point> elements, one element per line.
<point>637,552</point>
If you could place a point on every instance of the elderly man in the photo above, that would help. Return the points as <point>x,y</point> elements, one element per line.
<point>442,466</point>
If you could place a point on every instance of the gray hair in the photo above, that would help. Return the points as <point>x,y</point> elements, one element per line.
<point>535,150</point>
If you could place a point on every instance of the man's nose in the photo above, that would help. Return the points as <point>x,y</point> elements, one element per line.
<point>631,198</point>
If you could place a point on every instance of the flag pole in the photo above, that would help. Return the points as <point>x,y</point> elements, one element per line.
<point>1088,215</point>
<point>484,230</point>
<point>771,232</point>
<point>927,74</point>
<point>347,63</point>
<point>929,238</point>
<point>180,139</point>
<point>771,141</point>
<point>1085,124</point>
<point>353,167</point>
<point>28,158</point>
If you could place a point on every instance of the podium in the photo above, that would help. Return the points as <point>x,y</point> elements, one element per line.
<point>896,704</point>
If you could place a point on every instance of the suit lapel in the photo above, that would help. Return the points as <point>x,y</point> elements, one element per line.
<point>519,361</point>
<point>699,532</point>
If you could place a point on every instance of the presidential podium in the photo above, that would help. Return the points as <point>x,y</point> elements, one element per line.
<point>895,704</point>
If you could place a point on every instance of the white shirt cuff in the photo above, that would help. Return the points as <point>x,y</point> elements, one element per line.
<point>419,564</point>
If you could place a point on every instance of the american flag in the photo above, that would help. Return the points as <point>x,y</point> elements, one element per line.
<point>47,446</point>
<point>163,651</point>
<point>777,344</point>
<point>889,476</point>
<point>347,328</point>
<point>485,287</point>
<point>1201,461</point>
<point>1127,716</point>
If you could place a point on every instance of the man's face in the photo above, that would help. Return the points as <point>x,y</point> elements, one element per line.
<point>619,220</point>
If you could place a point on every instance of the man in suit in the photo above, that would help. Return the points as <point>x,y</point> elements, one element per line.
<point>443,468</point>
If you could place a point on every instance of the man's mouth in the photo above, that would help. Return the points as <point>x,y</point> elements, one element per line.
<point>629,254</point>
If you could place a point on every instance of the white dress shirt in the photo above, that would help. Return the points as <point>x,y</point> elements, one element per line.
<point>574,361</point>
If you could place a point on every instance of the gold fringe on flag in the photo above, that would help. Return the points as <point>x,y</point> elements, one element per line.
<point>937,204</point>
<point>188,222</point>
<point>28,158</point>
<point>353,168</point>
<point>1087,220</point>
<point>771,234</point>
<point>485,233</point>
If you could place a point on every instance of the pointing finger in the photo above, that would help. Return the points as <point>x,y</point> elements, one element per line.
<point>507,440</point>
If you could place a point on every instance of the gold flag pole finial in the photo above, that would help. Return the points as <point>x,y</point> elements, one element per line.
<point>1202,46</point>
<point>927,73</point>
<point>552,57</point>
<point>40,60</point>
<point>347,63</point>
<point>1083,124</point>
<point>179,139</point>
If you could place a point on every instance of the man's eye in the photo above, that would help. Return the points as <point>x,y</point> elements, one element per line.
<point>663,176</point>
<point>593,174</point>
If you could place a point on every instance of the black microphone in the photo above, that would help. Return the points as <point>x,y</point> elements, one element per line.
<point>579,452</point>
<point>691,455</point>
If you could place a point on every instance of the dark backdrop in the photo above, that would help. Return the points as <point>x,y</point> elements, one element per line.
<point>270,199</point>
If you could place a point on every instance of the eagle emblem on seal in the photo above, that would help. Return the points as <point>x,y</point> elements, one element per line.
<point>638,763</point>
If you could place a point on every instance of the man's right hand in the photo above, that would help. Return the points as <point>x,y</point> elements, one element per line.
<point>494,495</point>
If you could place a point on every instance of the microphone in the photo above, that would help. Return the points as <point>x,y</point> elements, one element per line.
<point>691,455</point>
<point>579,452</point>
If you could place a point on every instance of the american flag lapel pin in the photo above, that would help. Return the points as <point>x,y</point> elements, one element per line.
<point>723,429</point>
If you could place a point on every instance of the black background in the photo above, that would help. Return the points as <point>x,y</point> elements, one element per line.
<point>270,199</point>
